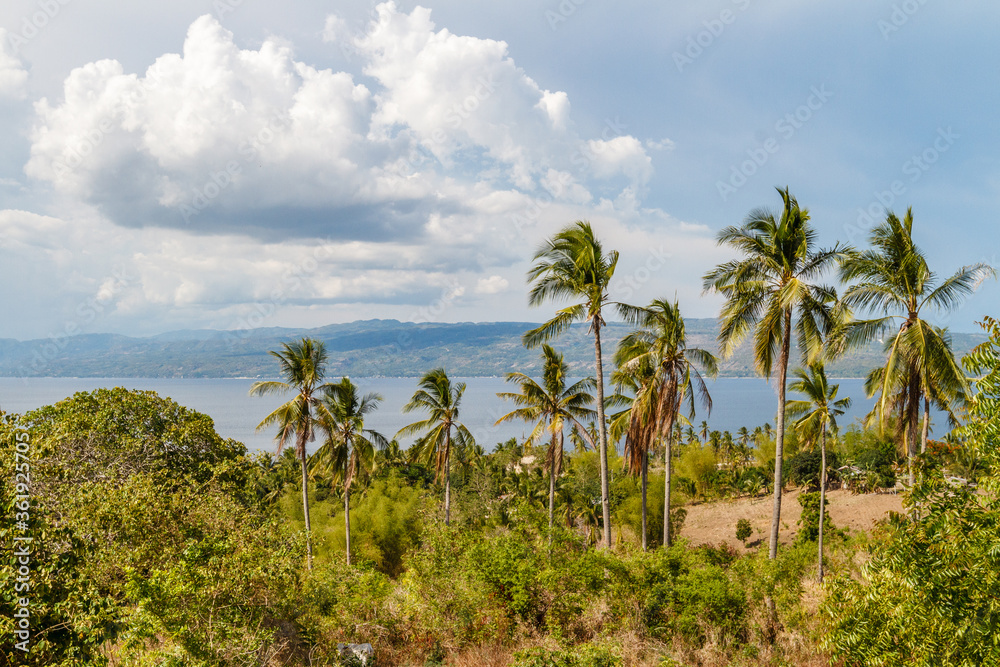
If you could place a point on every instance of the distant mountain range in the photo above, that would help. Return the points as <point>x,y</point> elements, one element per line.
<point>361,349</point>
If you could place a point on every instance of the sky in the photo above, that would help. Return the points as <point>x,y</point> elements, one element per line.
<point>231,164</point>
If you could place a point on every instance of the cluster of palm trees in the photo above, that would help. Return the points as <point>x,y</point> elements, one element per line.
<point>771,290</point>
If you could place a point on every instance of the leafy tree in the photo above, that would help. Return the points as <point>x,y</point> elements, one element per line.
<point>660,345</point>
<point>303,366</point>
<point>573,265</point>
<point>553,406</point>
<point>817,412</point>
<point>349,447</point>
<point>764,288</point>
<point>441,400</point>
<point>928,593</point>
<point>893,281</point>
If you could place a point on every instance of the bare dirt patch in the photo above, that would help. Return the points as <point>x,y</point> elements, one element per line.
<point>715,522</point>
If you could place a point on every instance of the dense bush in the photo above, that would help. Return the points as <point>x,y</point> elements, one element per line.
<point>804,469</point>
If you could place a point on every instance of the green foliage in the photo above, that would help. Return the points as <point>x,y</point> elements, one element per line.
<point>928,593</point>
<point>585,655</point>
<point>809,519</point>
<point>148,534</point>
<point>698,464</point>
<point>743,530</point>
<point>804,469</point>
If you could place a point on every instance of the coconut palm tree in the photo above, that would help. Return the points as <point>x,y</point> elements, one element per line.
<point>636,422</point>
<point>441,400</point>
<point>660,343</point>
<point>764,288</point>
<point>572,265</point>
<point>817,412</point>
<point>553,406</point>
<point>349,447</point>
<point>894,283</point>
<point>302,365</point>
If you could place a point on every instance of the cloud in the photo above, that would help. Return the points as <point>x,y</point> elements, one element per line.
<point>491,285</point>
<point>13,76</point>
<point>256,188</point>
<point>219,139</point>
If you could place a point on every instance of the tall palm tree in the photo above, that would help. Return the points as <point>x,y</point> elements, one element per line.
<point>816,412</point>
<point>661,344</point>
<point>893,282</point>
<point>636,422</point>
<point>572,265</point>
<point>350,447</point>
<point>553,406</point>
<point>303,365</point>
<point>441,400</point>
<point>763,289</point>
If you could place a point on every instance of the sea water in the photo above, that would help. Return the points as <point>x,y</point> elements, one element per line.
<point>737,402</point>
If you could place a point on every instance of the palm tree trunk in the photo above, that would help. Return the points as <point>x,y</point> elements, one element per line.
<point>645,484</point>
<point>347,520</point>
<point>822,497</point>
<point>305,509</point>
<point>912,417</point>
<point>603,434</point>
<point>447,477</point>
<point>927,425</point>
<point>779,441</point>
<point>552,498</point>
<point>668,460</point>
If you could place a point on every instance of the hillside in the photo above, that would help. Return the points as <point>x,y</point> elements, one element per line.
<point>360,349</point>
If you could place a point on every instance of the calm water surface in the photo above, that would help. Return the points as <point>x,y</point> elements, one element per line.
<point>737,402</point>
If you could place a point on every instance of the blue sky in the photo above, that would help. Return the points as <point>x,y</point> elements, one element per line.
<point>228,163</point>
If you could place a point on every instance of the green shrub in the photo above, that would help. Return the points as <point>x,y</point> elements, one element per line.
<point>743,530</point>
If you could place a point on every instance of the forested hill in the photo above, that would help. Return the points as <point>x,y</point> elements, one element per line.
<point>361,349</point>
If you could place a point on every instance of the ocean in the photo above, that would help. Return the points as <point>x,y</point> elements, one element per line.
<point>737,402</point>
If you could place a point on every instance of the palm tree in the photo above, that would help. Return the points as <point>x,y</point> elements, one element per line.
<point>303,365</point>
<point>441,400</point>
<point>703,431</point>
<point>573,265</point>
<point>349,447</point>
<point>763,289</point>
<point>661,345</point>
<point>636,422</point>
<point>816,412</point>
<point>552,405</point>
<point>893,281</point>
